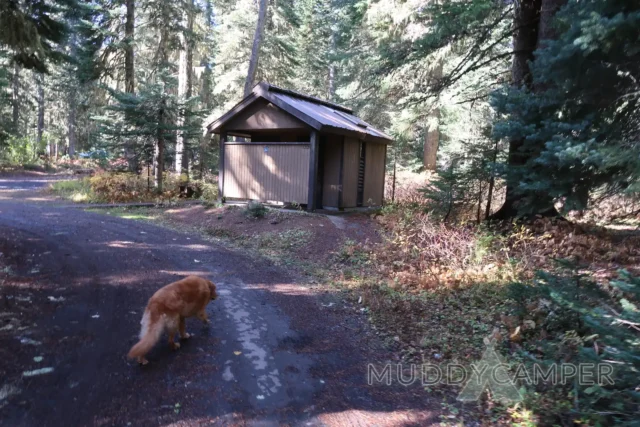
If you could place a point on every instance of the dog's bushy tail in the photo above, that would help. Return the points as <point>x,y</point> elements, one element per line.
<point>149,335</point>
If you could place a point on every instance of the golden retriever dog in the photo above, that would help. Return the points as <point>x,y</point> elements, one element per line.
<point>168,308</point>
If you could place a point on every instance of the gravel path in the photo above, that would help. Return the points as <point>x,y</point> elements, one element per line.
<point>277,352</point>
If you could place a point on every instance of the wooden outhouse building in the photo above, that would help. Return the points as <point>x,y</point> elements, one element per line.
<point>281,146</point>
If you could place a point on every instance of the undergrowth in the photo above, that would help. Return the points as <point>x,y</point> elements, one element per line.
<point>433,292</point>
<point>128,187</point>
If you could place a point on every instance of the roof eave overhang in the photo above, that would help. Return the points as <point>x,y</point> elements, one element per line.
<point>364,136</point>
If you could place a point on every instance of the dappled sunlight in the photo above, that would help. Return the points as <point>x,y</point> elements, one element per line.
<point>118,280</point>
<point>378,418</point>
<point>126,244</point>
<point>184,273</point>
<point>291,289</point>
<point>357,417</point>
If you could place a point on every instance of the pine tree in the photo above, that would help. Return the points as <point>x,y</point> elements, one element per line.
<point>578,118</point>
<point>590,326</point>
<point>34,31</point>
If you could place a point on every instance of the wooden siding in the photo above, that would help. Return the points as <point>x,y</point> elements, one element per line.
<point>331,181</point>
<point>279,174</point>
<point>350,172</point>
<point>263,115</point>
<point>374,174</point>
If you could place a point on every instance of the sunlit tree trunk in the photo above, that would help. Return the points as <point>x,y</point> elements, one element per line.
<point>432,134</point>
<point>431,142</point>
<point>160,151</point>
<point>71,123</point>
<point>40,97</point>
<point>255,49</point>
<point>331,89</point>
<point>15,97</point>
<point>185,67</point>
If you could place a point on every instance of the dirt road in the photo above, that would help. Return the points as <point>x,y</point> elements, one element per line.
<point>277,352</point>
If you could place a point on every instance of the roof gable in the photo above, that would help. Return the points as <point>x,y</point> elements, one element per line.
<point>263,115</point>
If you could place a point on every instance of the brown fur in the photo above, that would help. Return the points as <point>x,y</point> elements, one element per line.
<point>168,308</point>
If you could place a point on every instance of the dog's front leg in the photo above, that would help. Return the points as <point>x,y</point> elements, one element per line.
<point>203,316</point>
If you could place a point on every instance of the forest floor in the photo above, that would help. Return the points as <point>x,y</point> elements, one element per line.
<point>281,350</point>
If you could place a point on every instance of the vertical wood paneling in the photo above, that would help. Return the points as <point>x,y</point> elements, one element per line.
<point>374,174</point>
<point>350,173</point>
<point>279,174</point>
<point>331,179</point>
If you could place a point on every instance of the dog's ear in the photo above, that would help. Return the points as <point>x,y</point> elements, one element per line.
<point>212,290</point>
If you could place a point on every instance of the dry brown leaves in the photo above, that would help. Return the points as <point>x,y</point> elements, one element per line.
<point>419,253</point>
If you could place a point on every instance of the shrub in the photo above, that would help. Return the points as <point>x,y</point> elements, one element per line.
<point>578,321</point>
<point>120,187</point>
<point>205,191</point>
<point>255,210</point>
<point>19,151</point>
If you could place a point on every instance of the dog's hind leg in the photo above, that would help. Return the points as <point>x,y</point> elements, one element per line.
<point>172,328</point>
<point>183,334</point>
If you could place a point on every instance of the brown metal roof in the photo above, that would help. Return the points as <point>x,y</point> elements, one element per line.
<point>321,115</point>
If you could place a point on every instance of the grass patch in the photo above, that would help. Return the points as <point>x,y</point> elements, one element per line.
<point>140,214</point>
<point>284,241</point>
<point>77,190</point>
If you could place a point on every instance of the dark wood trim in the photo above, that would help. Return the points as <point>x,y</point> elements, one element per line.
<point>291,110</point>
<point>313,167</point>
<point>363,136</point>
<point>240,135</point>
<point>384,174</point>
<point>223,140</point>
<point>271,88</point>
<point>267,143</point>
<point>340,203</point>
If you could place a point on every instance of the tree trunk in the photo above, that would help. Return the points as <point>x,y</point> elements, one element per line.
<point>432,137</point>
<point>525,40</point>
<point>331,89</point>
<point>71,123</point>
<point>129,75</point>
<point>431,142</point>
<point>492,181</point>
<point>159,158</point>
<point>15,98</point>
<point>255,49</point>
<point>40,90</point>
<point>184,91</point>
<point>479,209</point>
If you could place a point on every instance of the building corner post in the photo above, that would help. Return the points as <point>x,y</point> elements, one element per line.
<point>223,140</point>
<point>313,168</point>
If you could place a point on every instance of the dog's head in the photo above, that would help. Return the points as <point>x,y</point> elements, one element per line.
<point>212,290</point>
